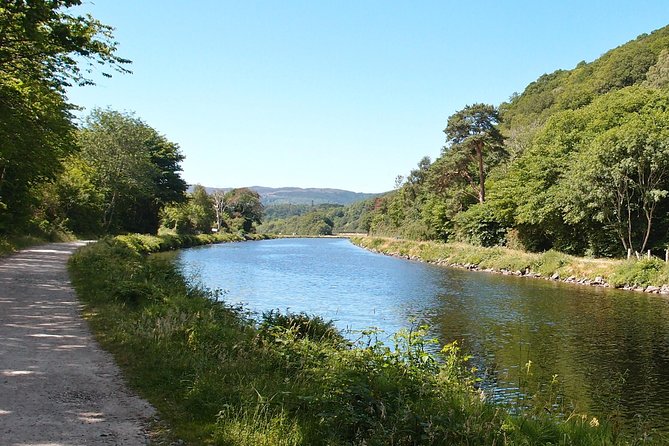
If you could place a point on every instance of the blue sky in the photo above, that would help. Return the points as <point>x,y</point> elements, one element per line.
<point>344,94</point>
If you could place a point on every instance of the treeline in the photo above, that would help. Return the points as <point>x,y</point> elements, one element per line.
<point>323,219</point>
<point>238,210</point>
<point>579,162</point>
<point>43,50</point>
<point>110,174</point>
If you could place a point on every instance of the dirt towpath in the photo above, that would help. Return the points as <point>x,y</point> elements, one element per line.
<point>57,387</point>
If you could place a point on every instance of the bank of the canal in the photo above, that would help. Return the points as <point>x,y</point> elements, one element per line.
<point>650,275</point>
<point>218,377</point>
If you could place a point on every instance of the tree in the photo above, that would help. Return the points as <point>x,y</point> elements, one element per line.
<point>658,74</point>
<point>220,206</point>
<point>474,141</point>
<point>134,167</point>
<point>593,179</point>
<point>621,177</point>
<point>42,50</point>
<point>245,204</point>
<point>202,209</point>
<point>40,40</point>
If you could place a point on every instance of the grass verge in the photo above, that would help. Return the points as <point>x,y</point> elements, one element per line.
<point>644,274</point>
<point>12,243</point>
<point>218,377</point>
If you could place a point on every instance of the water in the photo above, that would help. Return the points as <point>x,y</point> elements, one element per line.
<point>608,348</point>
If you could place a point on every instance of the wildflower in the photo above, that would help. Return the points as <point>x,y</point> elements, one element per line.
<point>594,422</point>
<point>528,366</point>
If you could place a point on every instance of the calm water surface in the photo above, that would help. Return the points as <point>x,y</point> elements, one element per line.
<point>608,348</point>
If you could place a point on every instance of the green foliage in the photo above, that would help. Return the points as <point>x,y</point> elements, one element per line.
<point>286,210</point>
<point>474,147</point>
<point>498,258</point>
<point>479,225</point>
<point>641,272</point>
<point>629,64</point>
<point>594,179</point>
<point>42,52</point>
<point>244,204</point>
<point>621,176</point>
<point>551,262</point>
<point>658,74</point>
<point>323,219</point>
<point>134,170</point>
<point>300,325</point>
<point>9,245</point>
<point>313,223</point>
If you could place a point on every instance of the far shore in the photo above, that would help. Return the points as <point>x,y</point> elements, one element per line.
<point>631,275</point>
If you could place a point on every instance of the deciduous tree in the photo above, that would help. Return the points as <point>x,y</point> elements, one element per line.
<point>134,167</point>
<point>245,203</point>
<point>43,49</point>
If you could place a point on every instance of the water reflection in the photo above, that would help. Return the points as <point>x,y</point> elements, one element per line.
<point>608,348</point>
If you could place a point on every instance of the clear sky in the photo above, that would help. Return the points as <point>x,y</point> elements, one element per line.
<point>342,93</point>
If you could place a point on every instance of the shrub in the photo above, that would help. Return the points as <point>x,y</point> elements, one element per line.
<point>479,225</point>
<point>642,272</point>
<point>302,325</point>
<point>550,263</point>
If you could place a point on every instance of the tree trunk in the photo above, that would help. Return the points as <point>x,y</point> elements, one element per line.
<point>479,155</point>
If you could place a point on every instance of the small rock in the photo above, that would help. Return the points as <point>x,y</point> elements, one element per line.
<point>652,289</point>
<point>598,280</point>
<point>555,276</point>
<point>664,289</point>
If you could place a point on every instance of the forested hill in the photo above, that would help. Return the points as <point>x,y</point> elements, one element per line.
<point>644,60</point>
<point>297,195</point>
<point>579,162</point>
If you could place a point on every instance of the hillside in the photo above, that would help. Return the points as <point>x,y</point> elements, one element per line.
<point>644,60</point>
<point>310,196</point>
<point>578,163</point>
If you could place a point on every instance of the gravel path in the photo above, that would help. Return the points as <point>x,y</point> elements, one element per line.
<point>57,387</point>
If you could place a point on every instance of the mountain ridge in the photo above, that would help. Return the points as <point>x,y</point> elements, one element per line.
<point>299,195</point>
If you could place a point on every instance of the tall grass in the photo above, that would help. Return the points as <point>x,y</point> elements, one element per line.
<point>218,377</point>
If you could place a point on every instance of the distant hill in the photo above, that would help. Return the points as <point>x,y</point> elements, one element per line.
<point>297,195</point>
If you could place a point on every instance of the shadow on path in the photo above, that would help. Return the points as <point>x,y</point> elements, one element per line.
<point>57,386</point>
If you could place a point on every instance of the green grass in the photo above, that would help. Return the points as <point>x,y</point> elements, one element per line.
<point>617,273</point>
<point>218,377</point>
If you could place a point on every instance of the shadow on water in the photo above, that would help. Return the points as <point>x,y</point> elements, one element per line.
<point>608,348</point>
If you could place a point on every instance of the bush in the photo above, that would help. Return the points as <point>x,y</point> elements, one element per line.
<point>478,225</point>
<point>642,272</point>
<point>550,263</point>
<point>303,326</point>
